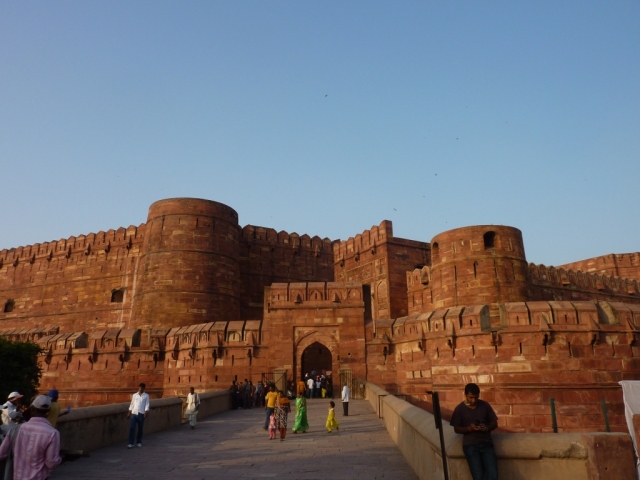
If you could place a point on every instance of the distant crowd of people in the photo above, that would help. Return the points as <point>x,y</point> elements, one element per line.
<point>247,395</point>
<point>278,403</point>
<point>278,406</point>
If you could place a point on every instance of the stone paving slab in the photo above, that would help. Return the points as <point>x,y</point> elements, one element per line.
<point>234,445</point>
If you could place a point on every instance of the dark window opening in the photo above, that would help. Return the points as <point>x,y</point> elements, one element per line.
<point>366,293</point>
<point>489,240</point>
<point>9,306</point>
<point>117,296</point>
<point>434,249</point>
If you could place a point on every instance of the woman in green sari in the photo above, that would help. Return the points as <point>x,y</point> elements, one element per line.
<point>301,424</point>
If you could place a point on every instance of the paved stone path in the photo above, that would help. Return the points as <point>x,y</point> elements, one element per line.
<point>234,445</point>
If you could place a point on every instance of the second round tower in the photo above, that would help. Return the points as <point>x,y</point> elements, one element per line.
<point>478,265</point>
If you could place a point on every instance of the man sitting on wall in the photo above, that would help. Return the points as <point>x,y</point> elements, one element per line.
<point>474,419</point>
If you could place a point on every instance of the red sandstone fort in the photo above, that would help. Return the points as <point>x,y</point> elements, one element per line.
<point>192,299</point>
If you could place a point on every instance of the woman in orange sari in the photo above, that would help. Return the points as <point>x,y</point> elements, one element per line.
<point>283,407</point>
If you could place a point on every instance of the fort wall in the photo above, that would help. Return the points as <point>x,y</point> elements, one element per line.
<point>378,259</point>
<point>82,282</point>
<point>574,352</point>
<point>625,265</point>
<point>543,283</point>
<point>549,283</point>
<point>191,299</point>
<point>267,257</point>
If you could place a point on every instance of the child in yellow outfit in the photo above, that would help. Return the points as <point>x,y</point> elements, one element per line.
<point>331,419</point>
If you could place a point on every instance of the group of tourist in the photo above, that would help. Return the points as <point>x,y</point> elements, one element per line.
<point>31,446</point>
<point>278,406</point>
<point>316,386</point>
<point>246,395</point>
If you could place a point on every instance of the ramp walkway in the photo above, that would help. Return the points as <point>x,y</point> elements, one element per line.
<point>233,445</point>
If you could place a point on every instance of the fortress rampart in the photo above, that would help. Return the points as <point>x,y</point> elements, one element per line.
<point>75,283</point>
<point>267,257</point>
<point>189,263</point>
<point>487,264</point>
<point>574,352</point>
<point>192,299</point>
<point>378,259</point>
<point>625,265</point>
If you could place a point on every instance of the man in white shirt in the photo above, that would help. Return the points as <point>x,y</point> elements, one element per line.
<point>309,387</point>
<point>346,392</point>
<point>137,413</point>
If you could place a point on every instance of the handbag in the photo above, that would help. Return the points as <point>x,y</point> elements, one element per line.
<point>7,472</point>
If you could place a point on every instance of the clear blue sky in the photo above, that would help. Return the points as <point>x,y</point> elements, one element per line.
<point>326,117</point>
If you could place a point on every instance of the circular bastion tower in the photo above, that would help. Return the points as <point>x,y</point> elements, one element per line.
<point>189,270</point>
<point>478,265</point>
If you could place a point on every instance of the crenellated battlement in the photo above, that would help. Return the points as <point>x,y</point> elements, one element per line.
<point>317,293</point>
<point>418,278</point>
<point>86,244</point>
<point>523,317</point>
<point>269,236</point>
<point>367,240</point>
<point>626,265</point>
<point>565,278</point>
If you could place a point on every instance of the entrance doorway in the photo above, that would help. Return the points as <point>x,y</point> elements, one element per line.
<point>316,358</point>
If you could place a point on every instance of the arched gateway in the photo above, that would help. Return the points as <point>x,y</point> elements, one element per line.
<point>316,358</point>
<point>315,351</point>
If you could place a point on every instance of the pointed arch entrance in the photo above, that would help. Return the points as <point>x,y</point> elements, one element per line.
<point>316,350</point>
<point>316,358</point>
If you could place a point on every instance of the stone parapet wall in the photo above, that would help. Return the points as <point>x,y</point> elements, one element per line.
<point>589,456</point>
<point>90,428</point>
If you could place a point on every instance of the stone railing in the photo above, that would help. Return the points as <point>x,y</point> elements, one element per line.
<point>89,428</point>
<point>578,456</point>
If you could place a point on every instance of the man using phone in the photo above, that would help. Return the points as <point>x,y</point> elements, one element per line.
<point>475,419</point>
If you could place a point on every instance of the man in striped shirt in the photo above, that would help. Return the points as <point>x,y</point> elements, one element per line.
<point>36,445</point>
